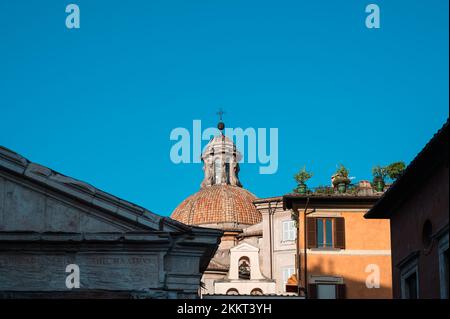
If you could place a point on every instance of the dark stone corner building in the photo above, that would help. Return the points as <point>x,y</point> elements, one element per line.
<point>49,221</point>
<point>417,205</point>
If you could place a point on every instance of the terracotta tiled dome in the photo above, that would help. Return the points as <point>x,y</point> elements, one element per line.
<point>221,206</point>
<point>221,201</point>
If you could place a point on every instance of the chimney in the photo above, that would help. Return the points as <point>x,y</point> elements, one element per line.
<point>365,188</point>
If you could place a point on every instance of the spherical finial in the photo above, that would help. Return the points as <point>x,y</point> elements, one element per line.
<point>220,125</point>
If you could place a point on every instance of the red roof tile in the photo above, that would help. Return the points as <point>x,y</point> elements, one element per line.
<point>218,204</point>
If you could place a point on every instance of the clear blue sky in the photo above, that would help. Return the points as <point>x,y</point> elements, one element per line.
<point>98,103</point>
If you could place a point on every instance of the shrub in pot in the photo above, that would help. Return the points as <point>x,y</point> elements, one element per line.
<point>340,179</point>
<point>379,174</point>
<point>301,177</point>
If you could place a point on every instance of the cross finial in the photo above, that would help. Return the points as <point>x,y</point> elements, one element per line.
<point>220,125</point>
<point>220,113</point>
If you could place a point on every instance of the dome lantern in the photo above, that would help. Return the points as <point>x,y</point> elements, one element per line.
<point>222,202</point>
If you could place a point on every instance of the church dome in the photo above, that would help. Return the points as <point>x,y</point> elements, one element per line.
<point>219,206</point>
<point>221,202</point>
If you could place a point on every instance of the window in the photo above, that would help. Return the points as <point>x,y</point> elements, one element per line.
<point>232,292</point>
<point>445,276</point>
<point>443,266</point>
<point>326,290</point>
<point>256,292</point>
<point>244,268</point>
<point>411,286</point>
<point>325,232</point>
<point>227,172</point>
<point>409,277</point>
<point>287,273</point>
<point>289,230</point>
<point>217,171</point>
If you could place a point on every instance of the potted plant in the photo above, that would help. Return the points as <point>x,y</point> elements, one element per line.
<point>301,177</point>
<point>379,174</point>
<point>340,179</point>
<point>394,170</point>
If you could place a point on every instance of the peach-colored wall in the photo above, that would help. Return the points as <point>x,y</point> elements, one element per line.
<point>352,269</point>
<point>361,233</point>
<point>366,242</point>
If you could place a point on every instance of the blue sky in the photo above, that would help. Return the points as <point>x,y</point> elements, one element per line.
<point>99,103</point>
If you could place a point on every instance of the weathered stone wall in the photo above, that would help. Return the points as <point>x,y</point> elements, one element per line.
<point>114,262</point>
<point>47,271</point>
<point>24,207</point>
<point>49,221</point>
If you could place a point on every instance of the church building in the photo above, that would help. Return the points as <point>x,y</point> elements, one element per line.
<point>223,203</point>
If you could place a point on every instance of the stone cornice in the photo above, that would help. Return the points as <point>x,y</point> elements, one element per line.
<point>60,237</point>
<point>13,163</point>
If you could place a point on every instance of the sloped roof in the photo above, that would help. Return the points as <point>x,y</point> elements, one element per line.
<point>13,163</point>
<point>329,200</point>
<point>434,154</point>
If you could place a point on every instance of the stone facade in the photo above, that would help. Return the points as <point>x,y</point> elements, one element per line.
<point>277,246</point>
<point>49,221</point>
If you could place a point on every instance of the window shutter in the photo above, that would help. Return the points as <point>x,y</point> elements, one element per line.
<point>339,232</point>
<point>340,291</point>
<point>311,237</point>
<point>292,230</point>
<point>312,291</point>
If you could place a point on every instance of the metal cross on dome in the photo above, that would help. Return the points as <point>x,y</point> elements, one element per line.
<point>220,125</point>
<point>220,113</point>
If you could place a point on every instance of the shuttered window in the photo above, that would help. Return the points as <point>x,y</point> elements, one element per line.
<point>339,233</point>
<point>289,230</point>
<point>340,291</point>
<point>311,237</point>
<point>312,291</point>
<point>325,232</point>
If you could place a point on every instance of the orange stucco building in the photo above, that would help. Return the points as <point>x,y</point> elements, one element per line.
<point>347,256</point>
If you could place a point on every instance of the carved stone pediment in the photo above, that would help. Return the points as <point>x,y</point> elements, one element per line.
<point>49,221</point>
<point>36,198</point>
<point>244,247</point>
